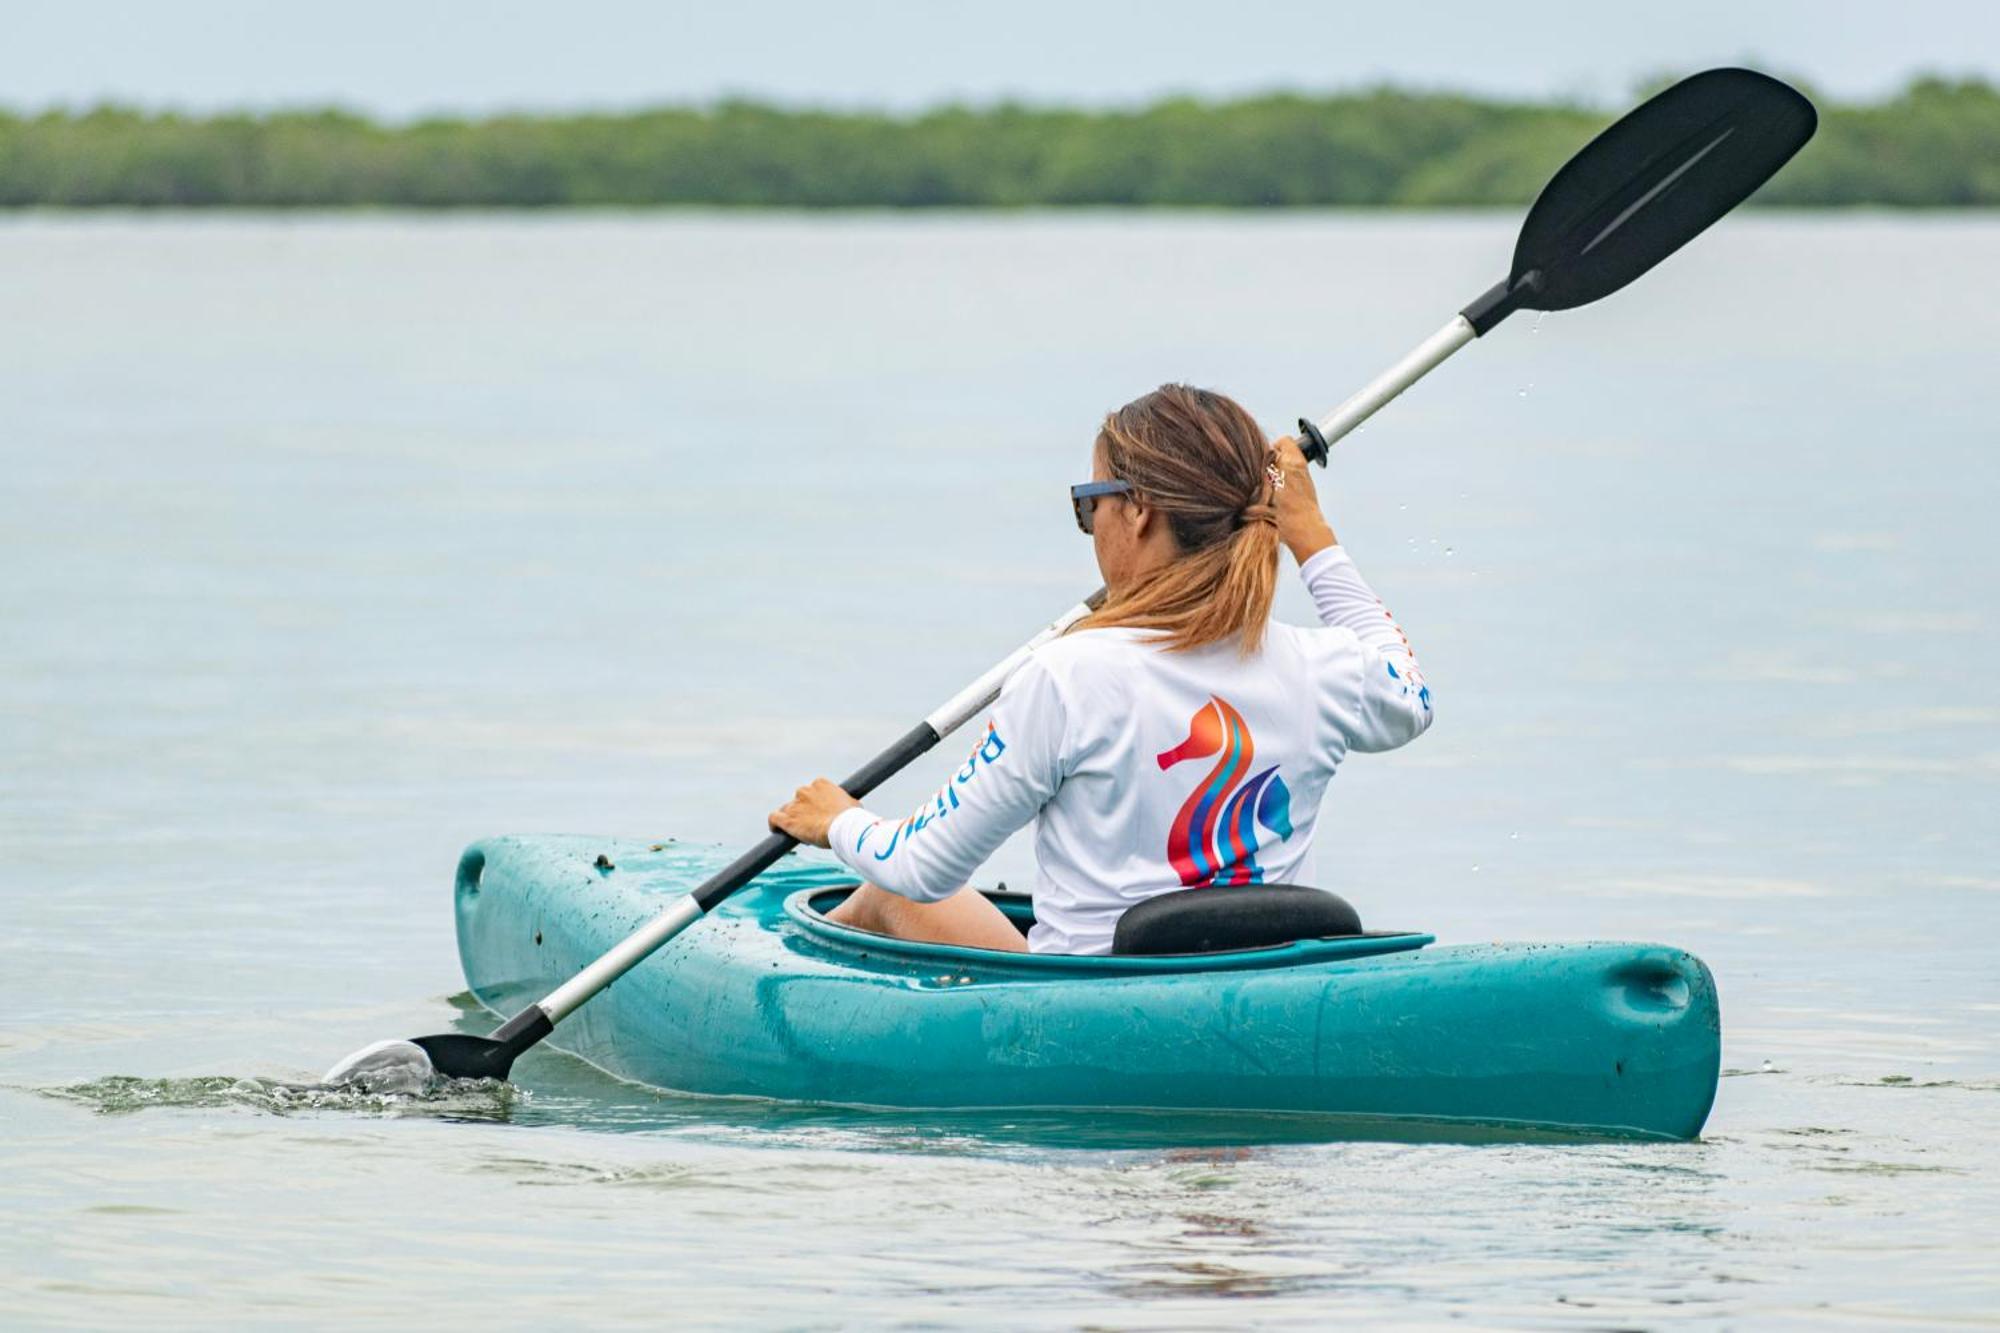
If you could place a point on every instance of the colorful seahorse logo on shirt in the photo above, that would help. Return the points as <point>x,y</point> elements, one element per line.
<point>1214,836</point>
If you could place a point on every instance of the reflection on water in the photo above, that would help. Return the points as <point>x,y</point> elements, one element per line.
<point>332,546</point>
<point>570,1094</point>
<point>1071,1231</point>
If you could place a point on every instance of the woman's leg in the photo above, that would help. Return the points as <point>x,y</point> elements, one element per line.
<point>965,918</point>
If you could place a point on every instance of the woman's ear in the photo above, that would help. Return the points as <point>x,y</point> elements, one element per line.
<point>1142,517</point>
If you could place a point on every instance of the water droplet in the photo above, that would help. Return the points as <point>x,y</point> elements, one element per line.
<point>1513,837</point>
<point>1402,506</point>
<point>1524,391</point>
<point>1447,550</point>
<point>1768,1066</point>
<point>1536,327</point>
<point>1475,868</point>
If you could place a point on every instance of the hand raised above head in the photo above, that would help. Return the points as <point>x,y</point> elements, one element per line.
<point>1301,526</point>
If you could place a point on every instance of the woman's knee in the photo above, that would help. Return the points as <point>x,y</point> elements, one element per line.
<point>965,918</point>
<point>871,907</point>
<point>867,908</point>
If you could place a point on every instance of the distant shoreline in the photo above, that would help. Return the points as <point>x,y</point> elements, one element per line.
<point>777,214</point>
<point>1934,145</point>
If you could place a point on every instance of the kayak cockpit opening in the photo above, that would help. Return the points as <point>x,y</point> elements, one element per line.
<point>1252,926</point>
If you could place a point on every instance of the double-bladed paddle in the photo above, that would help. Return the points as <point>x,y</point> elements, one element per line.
<point>1636,193</point>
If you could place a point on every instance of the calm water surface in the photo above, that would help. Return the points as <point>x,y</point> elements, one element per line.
<point>331,545</point>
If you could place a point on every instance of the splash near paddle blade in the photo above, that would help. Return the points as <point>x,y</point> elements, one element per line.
<point>388,1067</point>
<point>413,1066</point>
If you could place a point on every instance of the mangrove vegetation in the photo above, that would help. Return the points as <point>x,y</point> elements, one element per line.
<point>1935,144</point>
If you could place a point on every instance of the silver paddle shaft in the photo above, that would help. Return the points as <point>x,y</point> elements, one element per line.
<point>952,714</point>
<point>1427,356</point>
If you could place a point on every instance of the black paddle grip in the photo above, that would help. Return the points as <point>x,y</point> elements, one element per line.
<point>766,853</point>
<point>891,761</point>
<point>1311,443</point>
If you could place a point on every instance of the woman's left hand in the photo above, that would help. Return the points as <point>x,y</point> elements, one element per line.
<point>811,811</point>
<point>1302,526</point>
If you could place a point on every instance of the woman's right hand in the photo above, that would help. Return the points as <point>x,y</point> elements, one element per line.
<point>811,812</point>
<point>1301,526</point>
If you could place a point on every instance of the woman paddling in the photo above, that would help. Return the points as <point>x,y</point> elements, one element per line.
<point>1177,738</point>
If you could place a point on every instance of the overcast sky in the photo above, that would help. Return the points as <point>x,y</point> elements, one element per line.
<point>406,57</point>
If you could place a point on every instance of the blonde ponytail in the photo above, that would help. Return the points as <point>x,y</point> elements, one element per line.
<point>1201,461</point>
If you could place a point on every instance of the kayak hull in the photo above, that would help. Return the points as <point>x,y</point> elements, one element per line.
<point>765,998</point>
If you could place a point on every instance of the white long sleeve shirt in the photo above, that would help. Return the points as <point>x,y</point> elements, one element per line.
<point>1148,771</point>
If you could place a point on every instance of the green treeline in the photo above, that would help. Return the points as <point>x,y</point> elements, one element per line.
<point>1936,144</point>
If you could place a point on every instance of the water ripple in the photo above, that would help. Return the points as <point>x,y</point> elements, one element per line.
<point>452,1099</point>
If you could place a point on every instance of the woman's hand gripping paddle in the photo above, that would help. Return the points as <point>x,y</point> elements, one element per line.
<point>1634,195</point>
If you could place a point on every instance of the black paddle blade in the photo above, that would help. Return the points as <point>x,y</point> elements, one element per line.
<point>1647,186</point>
<point>459,1055</point>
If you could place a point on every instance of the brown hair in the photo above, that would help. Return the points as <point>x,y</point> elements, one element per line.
<point>1199,459</point>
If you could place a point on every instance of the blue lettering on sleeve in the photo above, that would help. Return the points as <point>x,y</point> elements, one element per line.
<point>894,839</point>
<point>989,749</point>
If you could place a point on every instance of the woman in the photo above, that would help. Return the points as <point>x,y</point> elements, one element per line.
<point>1178,737</point>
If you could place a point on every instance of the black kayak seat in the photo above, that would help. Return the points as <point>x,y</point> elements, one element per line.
<point>1249,916</point>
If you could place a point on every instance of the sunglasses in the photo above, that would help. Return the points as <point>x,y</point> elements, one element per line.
<point>1083,498</point>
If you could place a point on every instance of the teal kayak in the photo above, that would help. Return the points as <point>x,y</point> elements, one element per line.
<point>767,998</point>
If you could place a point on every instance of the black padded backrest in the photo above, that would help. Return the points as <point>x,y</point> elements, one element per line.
<point>1213,920</point>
